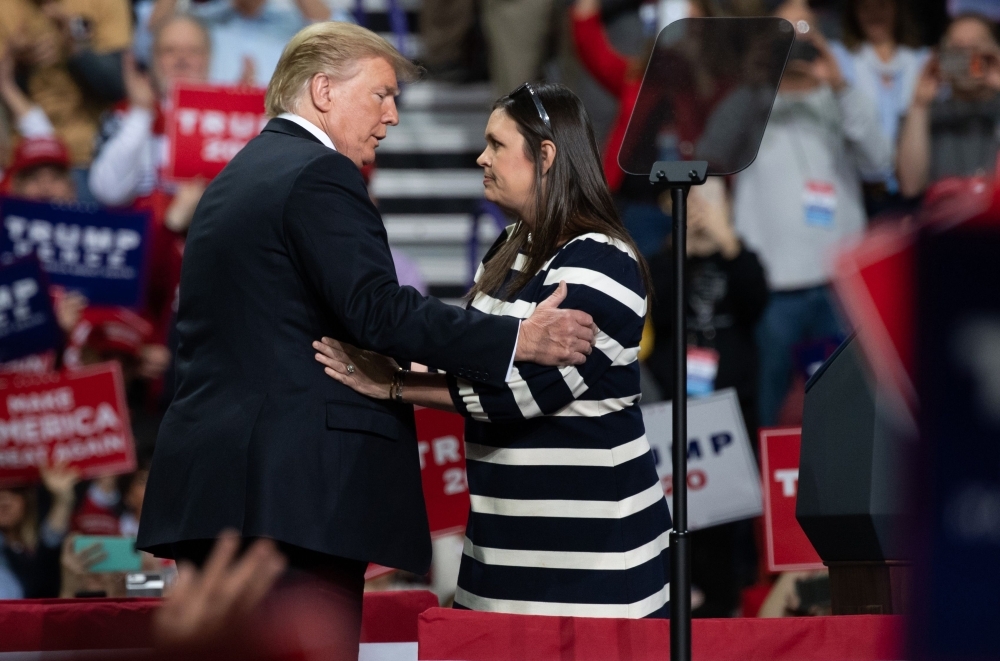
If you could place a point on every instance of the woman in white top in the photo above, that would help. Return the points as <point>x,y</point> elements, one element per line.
<point>881,56</point>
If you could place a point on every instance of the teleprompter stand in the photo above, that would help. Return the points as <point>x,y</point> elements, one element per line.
<point>702,109</point>
<point>678,177</point>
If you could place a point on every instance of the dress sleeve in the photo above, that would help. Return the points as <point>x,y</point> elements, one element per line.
<point>604,280</point>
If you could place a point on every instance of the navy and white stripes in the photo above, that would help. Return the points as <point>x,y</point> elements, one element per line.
<point>568,516</point>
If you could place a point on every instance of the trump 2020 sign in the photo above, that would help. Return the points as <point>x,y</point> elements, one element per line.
<point>722,475</point>
<point>788,548</point>
<point>97,252</point>
<point>209,125</point>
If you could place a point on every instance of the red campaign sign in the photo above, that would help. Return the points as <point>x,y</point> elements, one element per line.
<point>209,125</point>
<point>36,363</point>
<point>788,548</point>
<point>876,280</point>
<point>441,442</point>
<point>875,284</point>
<point>78,418</point>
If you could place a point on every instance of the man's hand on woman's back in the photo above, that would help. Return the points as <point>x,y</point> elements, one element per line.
<point>551,336</point>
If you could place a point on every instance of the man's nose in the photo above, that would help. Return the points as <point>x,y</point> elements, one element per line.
<point>392,114</point>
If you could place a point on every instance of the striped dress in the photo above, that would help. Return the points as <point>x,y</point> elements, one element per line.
<point>568,516</point>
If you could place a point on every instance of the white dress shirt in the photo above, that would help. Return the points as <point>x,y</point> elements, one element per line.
<point>309,126</point>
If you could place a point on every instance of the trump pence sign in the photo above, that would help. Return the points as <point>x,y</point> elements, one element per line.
<point>76,418</point>
<point>27,322</point>
<point>97,252</point>
<point>209,125</point>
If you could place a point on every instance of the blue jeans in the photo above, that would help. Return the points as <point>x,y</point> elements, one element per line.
<point>648,226</point>
<point>791,317</point>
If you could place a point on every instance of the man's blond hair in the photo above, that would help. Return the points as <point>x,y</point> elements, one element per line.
<point>333,48</point>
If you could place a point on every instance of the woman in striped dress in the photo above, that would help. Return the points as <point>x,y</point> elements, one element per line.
<point>568,516</point>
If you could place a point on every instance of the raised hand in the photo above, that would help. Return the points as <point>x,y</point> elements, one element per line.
<point>248,72</point>
<point>552,336</point>
<point>203,605</point>
<point>367,372</point>
<point>69,307</point>
<point>59,481</point>
<point>709,226</point>
<point>76,576</point>
<point>182,207</point>
<point>138,87</point>
<point>928,83</point>
<point>825,68</point>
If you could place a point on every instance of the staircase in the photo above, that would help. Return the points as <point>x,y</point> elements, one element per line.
<point>427,183</point>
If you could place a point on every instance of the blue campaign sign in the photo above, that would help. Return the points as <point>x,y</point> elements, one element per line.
<point>27,322</point>
<point>99,253</point>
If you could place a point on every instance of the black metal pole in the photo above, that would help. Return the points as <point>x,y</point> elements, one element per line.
<point>680,551</point>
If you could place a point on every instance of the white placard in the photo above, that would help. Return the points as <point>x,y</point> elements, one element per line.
<point>723,480</point>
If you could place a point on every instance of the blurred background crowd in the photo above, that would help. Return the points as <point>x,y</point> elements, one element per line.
<point>881,101</point>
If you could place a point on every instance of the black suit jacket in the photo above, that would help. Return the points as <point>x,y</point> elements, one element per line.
<point>286,247</point>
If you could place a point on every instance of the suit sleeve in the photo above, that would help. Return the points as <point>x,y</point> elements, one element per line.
<point>338,243</point>
<point>603,281</point>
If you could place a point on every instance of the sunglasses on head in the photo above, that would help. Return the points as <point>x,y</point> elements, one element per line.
<point>544,116</point>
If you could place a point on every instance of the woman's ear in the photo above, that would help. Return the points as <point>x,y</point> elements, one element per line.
<point>548,155</point>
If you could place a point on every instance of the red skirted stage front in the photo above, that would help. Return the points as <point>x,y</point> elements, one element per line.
<point>447,634</point>
<point>390,631</point>
<point>388,628</point>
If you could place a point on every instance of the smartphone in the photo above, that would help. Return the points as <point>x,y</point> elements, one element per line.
<point>814,595</point>
<point>962,63</point>
<point>120,552</point>
<point>803,50</point>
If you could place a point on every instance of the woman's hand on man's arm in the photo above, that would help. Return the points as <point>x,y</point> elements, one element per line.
<point>372,375</point>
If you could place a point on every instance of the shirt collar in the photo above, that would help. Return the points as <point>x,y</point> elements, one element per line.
<point>309,126</point>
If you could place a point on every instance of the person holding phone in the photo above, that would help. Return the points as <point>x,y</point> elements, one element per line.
<point>29,548</point>
<point>802,197</point>
<point>726,296</point>
<point>881,55</point>
<point>951,129</point>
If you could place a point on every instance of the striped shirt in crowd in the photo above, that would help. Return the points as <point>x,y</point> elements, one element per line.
<point>568,516</point>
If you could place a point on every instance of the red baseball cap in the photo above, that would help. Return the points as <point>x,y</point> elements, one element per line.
<point>32,152</point>
<point>110,330</point>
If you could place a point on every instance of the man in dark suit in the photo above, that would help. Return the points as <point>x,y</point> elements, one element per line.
<point>286,247</point>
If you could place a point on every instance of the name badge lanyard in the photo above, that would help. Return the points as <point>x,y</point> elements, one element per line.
<point>702,356</point>
<point>819,197</point>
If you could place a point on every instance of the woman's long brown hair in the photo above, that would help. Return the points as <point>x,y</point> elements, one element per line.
<point>571,200</point>
<point>904,32</point>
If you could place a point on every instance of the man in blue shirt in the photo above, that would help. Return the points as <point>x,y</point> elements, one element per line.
<point>248,36</point>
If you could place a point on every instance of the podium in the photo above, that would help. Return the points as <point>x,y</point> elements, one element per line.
<point>850,499</point>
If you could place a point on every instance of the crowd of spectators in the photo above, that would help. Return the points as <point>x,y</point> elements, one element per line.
<point>871,115</point>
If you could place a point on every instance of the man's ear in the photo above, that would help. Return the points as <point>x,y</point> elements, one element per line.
<point>321,92</point>
<point>548,155</point>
